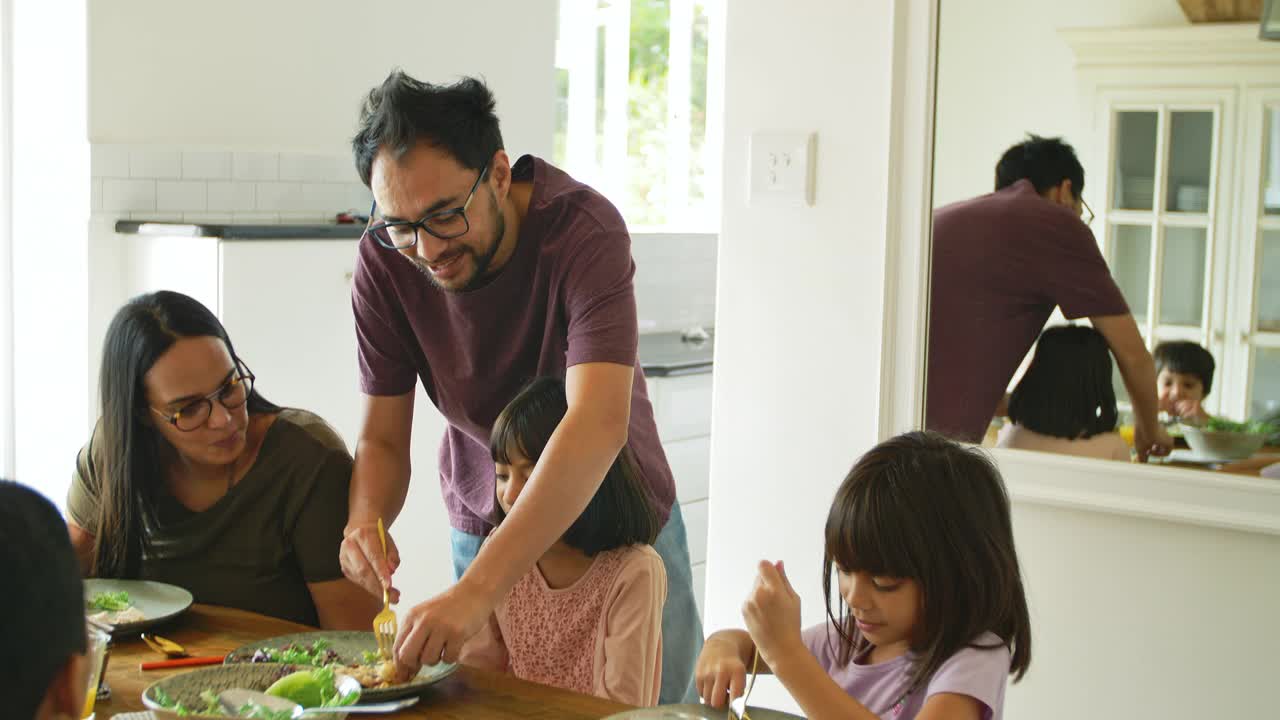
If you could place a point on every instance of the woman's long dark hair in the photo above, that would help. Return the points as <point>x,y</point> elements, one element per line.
<point>131,454</point>
<point>620,513</point>
<point>922,507</point>
<point>1067,391</point>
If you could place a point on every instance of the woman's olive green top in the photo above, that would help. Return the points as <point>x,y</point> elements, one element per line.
<point>259,545</point>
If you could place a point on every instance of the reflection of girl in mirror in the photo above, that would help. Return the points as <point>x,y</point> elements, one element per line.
<point>1065,403</point>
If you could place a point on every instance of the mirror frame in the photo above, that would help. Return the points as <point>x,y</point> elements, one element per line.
<point>1180,495</point>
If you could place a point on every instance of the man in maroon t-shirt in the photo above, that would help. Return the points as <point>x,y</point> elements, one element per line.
<point>1001,264</point>
<point>476,276</point>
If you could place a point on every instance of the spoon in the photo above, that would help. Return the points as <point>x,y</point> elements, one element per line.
<point>234,699</point>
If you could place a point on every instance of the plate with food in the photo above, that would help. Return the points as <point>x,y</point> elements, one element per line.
<point>350,653</point>
<point>195,693</point>
<point>129,605</point>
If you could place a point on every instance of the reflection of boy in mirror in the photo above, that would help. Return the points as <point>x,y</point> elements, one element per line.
<point>1002,263</point>
<point>41,611</point>
<point>1184,378</point>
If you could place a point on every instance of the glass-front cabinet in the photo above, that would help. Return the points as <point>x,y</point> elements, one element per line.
<point>1190,225</point>
<point>1161,216</point>
<point>1255,313</point>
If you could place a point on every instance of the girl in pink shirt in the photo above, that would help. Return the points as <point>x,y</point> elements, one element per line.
<point>588,616</point>
<point>926,614</point>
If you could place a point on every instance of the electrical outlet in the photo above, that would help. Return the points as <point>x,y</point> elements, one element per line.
<point>781,170</point>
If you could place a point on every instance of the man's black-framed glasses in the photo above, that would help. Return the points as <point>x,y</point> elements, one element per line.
<point>231,395</point>
<point>445,224</point>
<point>1086,212</point>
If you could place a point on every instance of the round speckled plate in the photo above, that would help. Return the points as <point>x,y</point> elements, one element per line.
<point>186,687</point>
<point>350,647</point>
<point>158,601</point>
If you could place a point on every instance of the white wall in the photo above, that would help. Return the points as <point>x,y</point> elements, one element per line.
<point>291,73</point>
<point>800,291</point>
<point>999,80</point>
<point>50,263</point>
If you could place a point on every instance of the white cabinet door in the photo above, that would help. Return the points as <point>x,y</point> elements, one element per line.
<point>695,525</point>
<point>681,405</point>
<point>287,307</point>
<point>690,462</point>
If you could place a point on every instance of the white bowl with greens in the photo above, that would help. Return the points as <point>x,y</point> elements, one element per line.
<point>1222,439</point>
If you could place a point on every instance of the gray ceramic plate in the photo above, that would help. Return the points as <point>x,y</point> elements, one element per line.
<point>157,601</point>
<point>186,687</point>
<point>697,712</point>
<point>350,646</point>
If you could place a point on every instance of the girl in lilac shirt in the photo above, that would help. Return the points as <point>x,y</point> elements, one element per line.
<point>926,615</point>
<point>588,616</point>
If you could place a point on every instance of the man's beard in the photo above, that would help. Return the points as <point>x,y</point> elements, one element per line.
<point>481,261</point>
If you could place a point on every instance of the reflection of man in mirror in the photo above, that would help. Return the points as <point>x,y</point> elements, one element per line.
<point>1001,263</point>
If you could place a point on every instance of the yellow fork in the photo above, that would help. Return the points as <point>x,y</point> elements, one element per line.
<point>384,623</point>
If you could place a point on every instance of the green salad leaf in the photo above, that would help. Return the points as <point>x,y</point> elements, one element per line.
<point>318,654</point>
<point>1251,427</point>
<point>110,601</point>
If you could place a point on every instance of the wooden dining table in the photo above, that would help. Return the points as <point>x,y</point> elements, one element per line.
<point>468,694</point>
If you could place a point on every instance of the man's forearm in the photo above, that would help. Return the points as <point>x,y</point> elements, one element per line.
<point>379,484</point>
<point>565,479</point>
<point>1139,373</point>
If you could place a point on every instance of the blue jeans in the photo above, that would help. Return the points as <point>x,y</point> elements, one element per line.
<point>681,625</point>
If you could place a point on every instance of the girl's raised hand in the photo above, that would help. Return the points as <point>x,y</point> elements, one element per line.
<point>772,614</point>
<point>720,674</point>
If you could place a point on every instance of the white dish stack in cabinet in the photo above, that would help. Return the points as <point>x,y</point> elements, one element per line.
<point>682,410</point>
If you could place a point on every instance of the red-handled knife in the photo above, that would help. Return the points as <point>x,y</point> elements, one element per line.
<point>182,662</point>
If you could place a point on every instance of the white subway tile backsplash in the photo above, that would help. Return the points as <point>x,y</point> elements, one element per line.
<point>305,218</point>
<point>156,216</point>
<point>201,165</point>
<point>255,166</point>
<point>205,218</point>
<point>280,197</point>
<point>181,195</point>
<point>358,198</point>
<point>128,195</point>
<point>153,163</point>
<point>256,218</point>
<point>109,160</point>
<point>316,168</point>
<point>329,197</point>
<point>233,196</point>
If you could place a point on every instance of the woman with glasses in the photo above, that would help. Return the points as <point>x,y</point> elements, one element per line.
<point>193,478</point>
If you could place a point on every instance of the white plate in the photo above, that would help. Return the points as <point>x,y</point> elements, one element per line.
<point>156,600</point>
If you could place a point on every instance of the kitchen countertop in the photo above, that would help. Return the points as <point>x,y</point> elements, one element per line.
<point>234,231</point>
<point>661,354</point>
<point>667,355</point>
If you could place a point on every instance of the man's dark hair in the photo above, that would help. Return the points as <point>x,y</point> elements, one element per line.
<point>1067,391</point>
<point>1046,162</point>
<point>1187,358</point>
<point>402,112</point>
<point>42,605</point>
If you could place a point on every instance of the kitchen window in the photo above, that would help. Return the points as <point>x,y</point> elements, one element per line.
<point>639,107</point>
